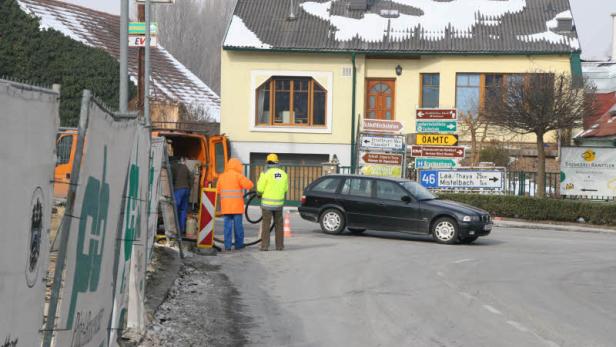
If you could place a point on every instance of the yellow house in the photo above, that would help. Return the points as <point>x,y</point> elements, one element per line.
<point>297,75</point>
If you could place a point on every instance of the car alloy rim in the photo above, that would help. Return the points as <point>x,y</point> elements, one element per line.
<point>445,231</point>
<point>331,221</point>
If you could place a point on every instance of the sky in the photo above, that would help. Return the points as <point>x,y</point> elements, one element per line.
<point>592,17</point>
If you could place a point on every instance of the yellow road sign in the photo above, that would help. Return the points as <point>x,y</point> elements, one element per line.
<point>437,139</point>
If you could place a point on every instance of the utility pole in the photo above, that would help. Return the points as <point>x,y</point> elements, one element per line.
<point>146,85</point>
<point>124,57</point>
<point>141,58</point>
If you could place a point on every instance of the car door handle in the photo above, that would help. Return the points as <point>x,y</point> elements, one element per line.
<point>382,204</point>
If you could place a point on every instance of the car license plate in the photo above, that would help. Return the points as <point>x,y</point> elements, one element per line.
<point>487,227</point>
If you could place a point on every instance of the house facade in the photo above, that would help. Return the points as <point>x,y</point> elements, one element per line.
<point>297,76</point>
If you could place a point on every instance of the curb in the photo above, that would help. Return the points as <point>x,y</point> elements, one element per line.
<point>554,227</point>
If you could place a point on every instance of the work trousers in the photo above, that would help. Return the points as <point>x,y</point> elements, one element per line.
<point>267,224</point>
<point>233,222</point>
<point>181,202</point>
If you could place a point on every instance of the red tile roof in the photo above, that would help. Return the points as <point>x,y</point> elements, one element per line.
<point>605,102</point>
<point>605,124</point>
<point>171,81</point>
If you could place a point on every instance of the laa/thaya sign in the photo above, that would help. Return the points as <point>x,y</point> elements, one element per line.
<point>588,171</point>
<point>463,179</point>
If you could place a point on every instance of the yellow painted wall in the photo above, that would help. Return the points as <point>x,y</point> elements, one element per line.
<point>236,103</point>
<point>408,84</point>
<point>236,86</point>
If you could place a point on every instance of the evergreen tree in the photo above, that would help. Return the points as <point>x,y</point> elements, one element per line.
<point>47,56</point>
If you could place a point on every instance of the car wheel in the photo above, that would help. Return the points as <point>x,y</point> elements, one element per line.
<point>469,240</point>
<point>445,230</point>
<point>356,230</point>
<point>332,221</point>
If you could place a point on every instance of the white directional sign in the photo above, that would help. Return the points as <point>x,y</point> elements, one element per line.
<point>388,143</point>
<point>463,179</point>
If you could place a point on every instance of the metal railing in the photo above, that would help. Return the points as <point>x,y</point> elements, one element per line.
<point>518,182</point>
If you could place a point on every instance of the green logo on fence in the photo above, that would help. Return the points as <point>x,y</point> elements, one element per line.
<point>90,238</point>
<point>132,213</point>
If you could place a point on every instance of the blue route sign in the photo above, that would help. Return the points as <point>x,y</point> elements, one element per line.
<point>463,179</point>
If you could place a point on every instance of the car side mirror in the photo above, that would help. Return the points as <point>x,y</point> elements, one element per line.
<point>407,199</point>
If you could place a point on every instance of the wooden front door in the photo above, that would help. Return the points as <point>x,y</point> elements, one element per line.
<point>380,94</point>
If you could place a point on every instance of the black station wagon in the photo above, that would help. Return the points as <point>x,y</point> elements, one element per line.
<point>389,204</point>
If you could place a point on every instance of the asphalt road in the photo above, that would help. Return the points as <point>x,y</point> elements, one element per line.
<point>516,287</point>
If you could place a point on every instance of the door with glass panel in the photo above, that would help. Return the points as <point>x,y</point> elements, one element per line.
<point>380,98</point>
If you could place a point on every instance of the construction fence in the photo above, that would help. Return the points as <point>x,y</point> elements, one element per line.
<point>106,234</point>
<point>29,117</point>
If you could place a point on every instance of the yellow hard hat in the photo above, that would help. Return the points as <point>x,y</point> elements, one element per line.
<point>272,157</point>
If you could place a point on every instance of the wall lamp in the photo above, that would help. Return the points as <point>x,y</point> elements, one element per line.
<point>398,70</point>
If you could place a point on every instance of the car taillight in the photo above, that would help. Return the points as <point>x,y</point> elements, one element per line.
<point>303,199</point>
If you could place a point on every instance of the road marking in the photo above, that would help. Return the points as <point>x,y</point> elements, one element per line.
<point>492,309</point>
<point>467,295</point>
<point>462,261</point>
<point>518,326</point>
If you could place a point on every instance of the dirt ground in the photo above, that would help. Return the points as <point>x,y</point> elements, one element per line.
<point>202,309</point>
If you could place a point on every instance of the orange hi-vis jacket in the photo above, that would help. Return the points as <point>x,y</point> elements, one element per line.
<point>230,187</point>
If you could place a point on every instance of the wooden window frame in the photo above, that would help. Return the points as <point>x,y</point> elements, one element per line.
<point>272,101</point>
<point>367,96</point>
<point>421,85</point>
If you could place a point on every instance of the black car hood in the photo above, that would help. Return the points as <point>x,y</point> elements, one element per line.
<point>455,206</point>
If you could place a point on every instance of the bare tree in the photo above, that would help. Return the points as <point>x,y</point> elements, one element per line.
<point>539,103</point>
<point>476,125</point>
<point>193,30</point>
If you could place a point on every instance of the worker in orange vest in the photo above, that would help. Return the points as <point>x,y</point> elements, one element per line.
<point>230,187</point>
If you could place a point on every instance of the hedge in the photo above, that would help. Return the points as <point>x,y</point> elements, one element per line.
<point>537,209</point>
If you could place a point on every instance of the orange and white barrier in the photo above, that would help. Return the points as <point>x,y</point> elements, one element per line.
<point>207,218</point>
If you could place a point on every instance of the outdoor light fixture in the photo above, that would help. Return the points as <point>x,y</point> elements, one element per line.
<point>398,70</point>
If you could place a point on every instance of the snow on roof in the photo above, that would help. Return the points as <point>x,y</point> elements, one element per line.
<point>171,80</point>
<point>411,26</point>
<point>437,16</point>
<point>552,36</point>
<point>241,36</point>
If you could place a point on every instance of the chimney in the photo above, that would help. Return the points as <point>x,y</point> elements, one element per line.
<point>291,16</point>
<point>614,36</point>
<point>358,5</point>
<point>564,22</point>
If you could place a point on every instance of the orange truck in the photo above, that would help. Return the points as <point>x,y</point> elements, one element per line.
<point>208,155</point>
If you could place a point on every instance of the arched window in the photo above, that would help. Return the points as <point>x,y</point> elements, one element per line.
<point>291,101</point>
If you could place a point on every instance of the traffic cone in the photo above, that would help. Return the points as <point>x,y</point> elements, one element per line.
<point>287,225</point>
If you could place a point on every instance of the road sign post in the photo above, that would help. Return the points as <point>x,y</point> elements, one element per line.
<point>464,179</point>
<point>438,151</point>
<point>389,143</point>
<point>382,154</point>
<point>436,139</point>
<point>435,163</point>
<point>437,126</point>
<point>436,114</point>
<point>382,158</point>
<point>386,126</point>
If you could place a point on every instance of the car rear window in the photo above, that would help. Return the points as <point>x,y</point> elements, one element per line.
<point>327,185</point>
<point>357,187</point>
